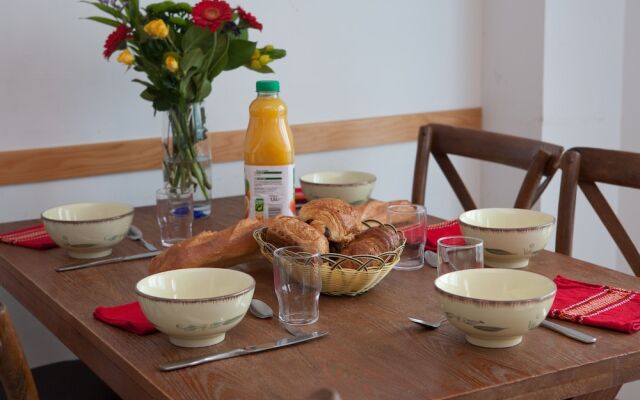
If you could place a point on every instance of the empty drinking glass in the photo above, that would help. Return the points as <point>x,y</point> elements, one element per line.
<point>410,219</point>
<point>297,280</point>
<point>459,252</point>
<point>174,211</point>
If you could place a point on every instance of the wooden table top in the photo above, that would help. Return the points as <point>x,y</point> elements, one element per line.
<point>372,350</point>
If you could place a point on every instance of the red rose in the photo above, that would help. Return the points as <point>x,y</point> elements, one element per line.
<point>115,39</point>
<point>211,14</point>
<point>249,18</point>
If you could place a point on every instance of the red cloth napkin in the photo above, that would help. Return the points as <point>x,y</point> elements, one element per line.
<point>126,316</point>
<point>415,234</point>
<point>596,305</point>
<point>437,231</point>
<point>33,237</point>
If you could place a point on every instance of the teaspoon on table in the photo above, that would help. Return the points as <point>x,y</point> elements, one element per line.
<point>136,234</point>
<point>428,324</point>
<point>260,309</point>
<point>563,330</point>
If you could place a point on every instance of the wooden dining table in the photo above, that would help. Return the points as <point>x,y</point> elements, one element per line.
<point>372,350</point>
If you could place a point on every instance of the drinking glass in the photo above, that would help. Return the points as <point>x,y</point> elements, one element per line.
<point>174,211</point>
<point>410,219</point>
<point>297,280</point>
<point>459,252</point>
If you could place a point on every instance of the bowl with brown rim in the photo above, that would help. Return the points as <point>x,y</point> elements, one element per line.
<point>495,307</point>
<point>195,307</point>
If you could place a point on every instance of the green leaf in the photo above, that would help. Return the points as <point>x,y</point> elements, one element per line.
<point>192,59</point>
<point>105,21</point>
<point>197,37</point>
<point>218,67</point>
<point>145,83</point>
<point>105,8</point>
<point>276,54</point>
<point>159,8</point>
<point>265,70</point>
<point>204,89</point>
<point>178,21</point>
<point>148,95</point>
<point>240,51</point>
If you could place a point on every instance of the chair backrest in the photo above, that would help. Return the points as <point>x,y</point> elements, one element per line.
<point>583,167</point>
<point>15,374</point>
<point>539,159</point>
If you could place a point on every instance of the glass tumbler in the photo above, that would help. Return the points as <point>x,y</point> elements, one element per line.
<point>297,281</point>
<point>174,211</point>
<point>411,220</point>
<point>459,252</point>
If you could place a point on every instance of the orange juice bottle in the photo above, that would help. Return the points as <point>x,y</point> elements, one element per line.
<point>268,156</point>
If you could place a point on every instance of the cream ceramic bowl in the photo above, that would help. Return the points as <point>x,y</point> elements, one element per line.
<point>495,307</point>
<point>351,186</point>
<point>196,306</point>
<point>88,230</point>
<point>511,236</point>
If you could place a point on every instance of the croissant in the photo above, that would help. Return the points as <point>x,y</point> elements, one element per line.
<point>377,240</point>
<point>335,219</point>
<point>290,231</point>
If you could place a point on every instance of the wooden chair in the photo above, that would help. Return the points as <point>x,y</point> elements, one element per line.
<point>63,380</point>
<point>584,167</point>
<point>538,158</point>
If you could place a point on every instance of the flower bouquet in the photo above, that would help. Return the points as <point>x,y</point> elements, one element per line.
<point>181,49</point>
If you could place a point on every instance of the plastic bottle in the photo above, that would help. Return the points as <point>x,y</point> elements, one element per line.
<point>269,169</point>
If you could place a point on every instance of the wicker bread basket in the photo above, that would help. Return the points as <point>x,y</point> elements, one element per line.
<point>339,281</point>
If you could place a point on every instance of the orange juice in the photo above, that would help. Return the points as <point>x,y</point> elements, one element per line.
<point>268,156</point>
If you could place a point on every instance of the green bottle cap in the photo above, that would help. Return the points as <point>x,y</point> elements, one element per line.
<point>267,86</point>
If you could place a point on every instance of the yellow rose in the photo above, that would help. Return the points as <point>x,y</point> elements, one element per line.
<point>157,28</point>
<point>255,64</point>
<point>264,59</point>
<point>171,63</point>
<point>256,54</point>
<point>126,57</point>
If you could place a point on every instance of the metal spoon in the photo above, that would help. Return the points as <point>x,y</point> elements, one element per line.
<point>136,234</point>
<point>431,257</point>
<point>427,324</point>
<point>260,309</point>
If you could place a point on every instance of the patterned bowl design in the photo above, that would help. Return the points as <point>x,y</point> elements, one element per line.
<point>495,307</point>
<point>511,236</point>
<point>196,306</point>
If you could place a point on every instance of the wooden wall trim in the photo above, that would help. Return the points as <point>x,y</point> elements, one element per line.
<point>45,164</point>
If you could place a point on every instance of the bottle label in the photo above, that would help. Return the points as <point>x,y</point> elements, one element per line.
<point>269,190</point>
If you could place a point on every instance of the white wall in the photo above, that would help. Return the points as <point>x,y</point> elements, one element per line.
<point>583,101</point>
<point>345,60</point>
<point>512,86</point>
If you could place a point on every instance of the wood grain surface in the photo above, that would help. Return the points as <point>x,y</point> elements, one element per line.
<point>372,350</point>
<point>45,164</point>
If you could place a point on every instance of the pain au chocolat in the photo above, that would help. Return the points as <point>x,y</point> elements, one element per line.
<point>333,218</point>
<point>374,241</point>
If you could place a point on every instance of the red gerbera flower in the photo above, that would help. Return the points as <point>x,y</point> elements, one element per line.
<point>115,39</point>
<point>249,18</point>
<point>211,14</point>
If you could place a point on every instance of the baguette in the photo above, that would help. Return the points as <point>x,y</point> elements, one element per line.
<point>211,249</point>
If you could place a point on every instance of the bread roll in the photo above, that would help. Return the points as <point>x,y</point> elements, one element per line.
<point>211,249</point>
<point>333,218</point>
<point>290,231</point>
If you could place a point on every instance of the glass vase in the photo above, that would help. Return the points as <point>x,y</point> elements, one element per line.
<point>187,155</point>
